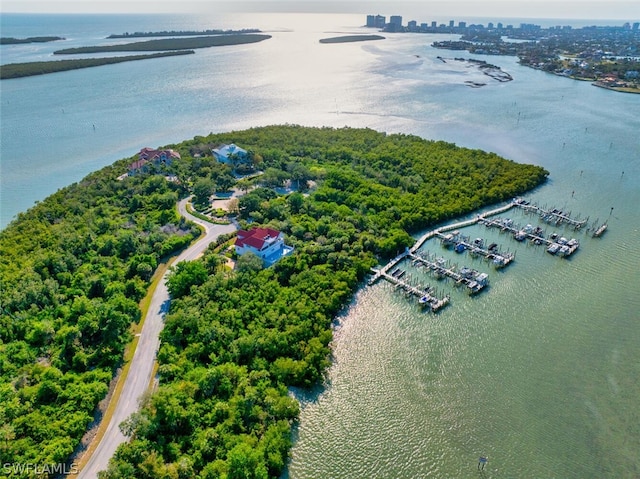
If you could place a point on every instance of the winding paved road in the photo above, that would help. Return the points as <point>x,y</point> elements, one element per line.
<point>142,364</point>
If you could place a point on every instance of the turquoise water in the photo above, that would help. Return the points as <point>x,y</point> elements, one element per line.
<point>539,373</point>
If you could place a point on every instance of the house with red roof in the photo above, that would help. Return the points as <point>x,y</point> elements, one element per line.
<point>266,243</point>
<point>149,156</point>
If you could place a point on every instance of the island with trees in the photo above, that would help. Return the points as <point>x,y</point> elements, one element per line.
<point>18,41</point>
<point>169,44</point>
<point>165,47</point>
<point>19,70</point>
<point>351,38</point>
<point>182,33</point>
<point>75,266</point>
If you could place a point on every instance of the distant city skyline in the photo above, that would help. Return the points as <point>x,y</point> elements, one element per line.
<point>628,10</point>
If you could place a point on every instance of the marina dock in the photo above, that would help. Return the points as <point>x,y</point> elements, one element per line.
<point>473,280</point>
<point>476,247</point>
<point>560,246</point>
<point>461,224</point>
<point>552,215</point>
<point>425,295</point>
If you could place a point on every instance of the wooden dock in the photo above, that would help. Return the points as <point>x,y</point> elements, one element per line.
<point>471,279</point>
<point>425,296</point>
<point>553,245</point>
<point>461,224</point>
<point>499,258</point>
<point>473,285</point>
<point>552,215</point>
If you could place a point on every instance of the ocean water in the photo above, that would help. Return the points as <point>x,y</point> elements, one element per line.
<point>539,373</point>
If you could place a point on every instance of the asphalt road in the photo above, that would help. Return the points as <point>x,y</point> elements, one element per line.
<point>142,364</point>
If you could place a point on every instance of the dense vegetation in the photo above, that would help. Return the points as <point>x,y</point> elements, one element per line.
<point>234,342</point>
<point>18,70</point>
<point>182,33</point>
<point>75,266</point>
<point>73,270</point>
<point>169,44</point>
<point>15,41</point>
<point>351,38</point>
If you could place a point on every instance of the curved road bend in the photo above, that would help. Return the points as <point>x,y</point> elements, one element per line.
<point>139,377</point>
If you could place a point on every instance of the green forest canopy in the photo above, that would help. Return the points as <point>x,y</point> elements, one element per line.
<point>74,267</point>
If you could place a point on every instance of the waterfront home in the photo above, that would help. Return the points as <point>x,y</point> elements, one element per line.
<point>148,157</point>
<point>230,154</point>
<point>266,243</point>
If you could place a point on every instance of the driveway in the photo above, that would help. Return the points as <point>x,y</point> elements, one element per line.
<point>139,377</point>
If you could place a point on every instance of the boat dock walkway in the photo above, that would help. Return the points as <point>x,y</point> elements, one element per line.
<point>474,283</point>
<point>471,279</point>
<point>461,224</point>
<point>384,271</point>
<point>554,245</point>
<point>553,215</point>
<point>506,226</point>
<point>424,295</point>
<point>500,258</point>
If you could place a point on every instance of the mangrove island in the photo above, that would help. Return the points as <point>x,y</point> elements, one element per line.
<point>351,38</point>
<point>76,266</point>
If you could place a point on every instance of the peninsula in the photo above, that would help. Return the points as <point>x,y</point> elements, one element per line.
<point>170,44</point>
<point>16,41</point>
<point>182,33</point>
<point>76,266</point>
<point>19,70</point>
<point>165,48</point>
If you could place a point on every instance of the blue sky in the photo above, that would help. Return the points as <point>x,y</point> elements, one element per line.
<point>628,10</point>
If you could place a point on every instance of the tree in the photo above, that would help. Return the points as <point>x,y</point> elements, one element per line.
<point>203,188</point>
<point>274,177</point>
<point>185,275</point>
<point>244,185</point>
<point>249,262</point>
<point>295,201</point>
<point>245,462</point>
<point>225,181</point>
<point>300,174</point>
<point>233,206</point>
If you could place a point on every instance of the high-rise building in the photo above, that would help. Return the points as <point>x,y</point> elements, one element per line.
<point>412,26</point>
<point>462,24</point>
<point>636,26</point>
<point>499,25</point>
<point>434,24</point>
<point>490,25</point>
<point>451,23</point>
<point>376,21</point>
<point>396,20</point>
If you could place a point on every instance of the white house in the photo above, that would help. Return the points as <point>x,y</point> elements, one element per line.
<point>230,154</point>
<point>266,243</point>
